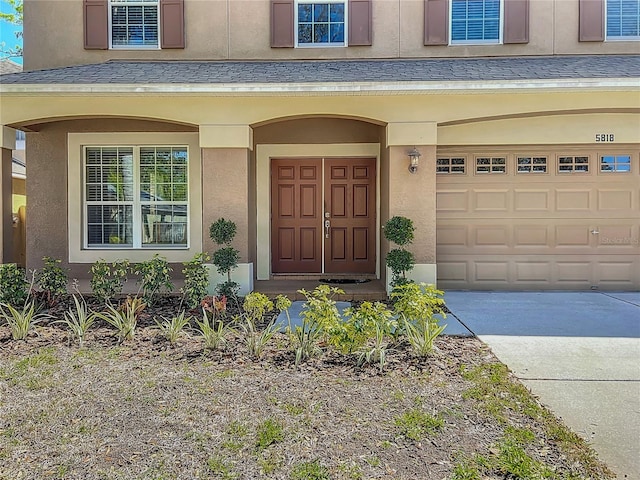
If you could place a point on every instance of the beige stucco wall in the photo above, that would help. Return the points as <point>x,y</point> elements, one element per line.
<point>225,186</point>
<point>6,231</point>
<point>240,30</point>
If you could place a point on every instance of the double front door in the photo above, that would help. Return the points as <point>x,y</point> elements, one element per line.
<point>323,215</point>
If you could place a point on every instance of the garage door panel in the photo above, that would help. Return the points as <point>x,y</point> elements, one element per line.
<point>532,200</point>
<point>574,272</point>
<point>537,272</point>
<point>491,200</point>
<point>572,236</point>
<point>616,273</point>
<point>617,200</point>
<point>531,235</point>
<point>452,201</point>
<point>574,200</point>
<point>491,271</point>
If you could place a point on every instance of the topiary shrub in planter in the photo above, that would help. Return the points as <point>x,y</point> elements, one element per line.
<point>226,257</point>
<point>399,230</point>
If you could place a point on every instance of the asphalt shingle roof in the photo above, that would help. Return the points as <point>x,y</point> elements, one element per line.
<point>398,70</point>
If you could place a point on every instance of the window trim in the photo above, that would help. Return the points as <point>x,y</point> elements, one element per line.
<point>618,38</point>
<point>464,165</point>
<point>547,164</point>
<point>588,171</point>
<point>344,44</point>
<point>111,3</point>
<point>76,228</point>
<point>498,41</point>
<point>491,157</point>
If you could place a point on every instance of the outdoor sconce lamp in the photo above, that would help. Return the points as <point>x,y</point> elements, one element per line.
<point>414,156</point>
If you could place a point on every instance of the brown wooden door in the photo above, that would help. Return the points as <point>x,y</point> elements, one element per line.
<point>350,206</point>
<point>296,212</point>
<point>298,233</point>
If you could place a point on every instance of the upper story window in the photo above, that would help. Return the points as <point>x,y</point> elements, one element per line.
<point>134,23</point>
<point>623,19</point>
<point>320,23</point>
<point>476,21</point>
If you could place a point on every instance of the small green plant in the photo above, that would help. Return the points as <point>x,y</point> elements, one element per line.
<point>226,257</point>
<point>155,276</point>
<point>255,306</point>
<point>21,321</point>
<point>310,471</point>
<point>214,332</point>
<point>79,319</point>
<point>172,328</point>
<point>416,424</point>
<point>399,230</point>
<point>416,306</point>
<point>268,432</point>
<point>465,470</point>
<point>221,468</point>
<point>371,324</point>
<point>196,280</point>
<point>107,280</point>
<point>13,285</point>
<point>321,320</point>
<point>52,280</point>
<point>124,318</point>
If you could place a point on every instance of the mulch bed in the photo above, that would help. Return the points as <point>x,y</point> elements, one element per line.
<point>148,409</point>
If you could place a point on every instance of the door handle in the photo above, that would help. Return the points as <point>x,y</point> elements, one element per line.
<point>327,226</point>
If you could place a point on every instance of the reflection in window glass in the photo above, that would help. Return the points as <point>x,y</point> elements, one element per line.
<point>321,23</point>
<point>615,163</point>
<point>623,19</point>
<point>450,165</point>
<point>573,164</point>
<point>134,23</point>
<point>491,165</point>
<point>475,21</point>
<point>532,164</point>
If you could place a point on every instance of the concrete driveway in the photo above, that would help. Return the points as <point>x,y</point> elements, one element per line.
<point>579,352</point>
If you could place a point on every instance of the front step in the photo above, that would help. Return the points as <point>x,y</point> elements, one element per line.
<point>372,291</point>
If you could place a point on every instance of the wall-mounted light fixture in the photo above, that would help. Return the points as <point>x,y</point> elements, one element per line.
<point>414,156</point>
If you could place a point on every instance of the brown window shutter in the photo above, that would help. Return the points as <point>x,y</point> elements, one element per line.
<point>591,21</point>
<point>436,22</point>
<point>282,23</point>
<point>172,24</point>
<point>96,25</point>
<point>516,21</point>
<point>360,23</point>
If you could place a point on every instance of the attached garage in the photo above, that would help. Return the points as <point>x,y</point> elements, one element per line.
<point>538,217</point>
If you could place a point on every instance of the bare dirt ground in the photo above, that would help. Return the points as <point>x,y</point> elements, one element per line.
<point>148,409</point>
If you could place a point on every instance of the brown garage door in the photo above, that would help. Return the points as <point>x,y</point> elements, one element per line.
<point>539,218</point>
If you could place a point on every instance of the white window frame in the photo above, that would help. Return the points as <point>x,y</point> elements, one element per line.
<point>127,3</point>
<point>497,41</point>
<point>531,165</point>
<point>78,252</point>
<point>448,168</point>
<point>495,168</point>
<point>616,38</point>
<point>573,164</point>
<point>321,45</point>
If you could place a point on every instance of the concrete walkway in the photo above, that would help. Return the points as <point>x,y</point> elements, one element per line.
<point>579,352</point>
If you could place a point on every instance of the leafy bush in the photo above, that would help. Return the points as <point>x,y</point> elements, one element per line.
<point>399,230</point>
<point>416,306</point>
<point>52,280</point>
<point>107,280</point>
<point>155,275</point>
<point>226,257</point>
<point>256,305</point>
<point>196,280</point>
<point>13,284</point>
<point>370,325</point>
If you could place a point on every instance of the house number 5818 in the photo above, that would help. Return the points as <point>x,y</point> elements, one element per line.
<point>604,137</point>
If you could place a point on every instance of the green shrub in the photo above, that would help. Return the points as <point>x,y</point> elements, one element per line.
<point>125,318</point>
<point>226,257</point>
<point>107,280</point>
<point>256,305</point>
<point>52,280</point>
<point>370,325</point>
<point>196,280</point>
<point>399,230</point>
<point>416,306</point>
<point>13,285</point>
<point>155,276</point>
<point>320,320</point>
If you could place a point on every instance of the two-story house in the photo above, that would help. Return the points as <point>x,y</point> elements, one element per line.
<point>507,130</point>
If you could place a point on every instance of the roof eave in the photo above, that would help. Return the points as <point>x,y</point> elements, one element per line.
<point>330,88</point>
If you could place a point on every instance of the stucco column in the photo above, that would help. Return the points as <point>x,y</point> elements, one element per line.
<point>7,144</point>
<point>413,195</point>
<point>225,192</point>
